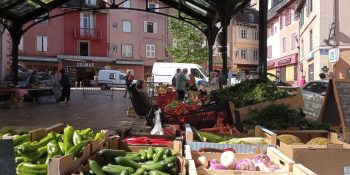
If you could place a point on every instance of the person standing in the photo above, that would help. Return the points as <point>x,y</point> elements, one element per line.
<point>302,81</point>
<point>33,83</point>
<point>173,81</point>
<point>322,76</point>
<point>181,81</point>
<point>65,83</point>
<point>128,82</point>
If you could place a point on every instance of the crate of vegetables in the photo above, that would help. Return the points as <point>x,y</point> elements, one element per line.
<point>126,159</point>
<point>229,163</point>
<point>241,143</point>
<point>53,150</point>
<point>258,94</point>
<point>321,151</point>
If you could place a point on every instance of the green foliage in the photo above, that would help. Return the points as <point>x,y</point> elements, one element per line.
<point>252,92</point>
<point>280,117</point>
<point>187,46</point>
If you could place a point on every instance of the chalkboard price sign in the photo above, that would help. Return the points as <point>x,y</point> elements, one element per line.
<point>342,96</point>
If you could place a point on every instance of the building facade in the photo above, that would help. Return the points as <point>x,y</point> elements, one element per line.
<point>243,43</point>
<point>282,42</point>
<point>85,42</point>
<point>137,39</point>
<point>323,27</point>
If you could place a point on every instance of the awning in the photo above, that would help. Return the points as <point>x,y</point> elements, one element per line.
<point>85,58</point>
<point>41,59</point>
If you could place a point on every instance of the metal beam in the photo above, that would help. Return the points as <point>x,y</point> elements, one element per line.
<point>263,39</point>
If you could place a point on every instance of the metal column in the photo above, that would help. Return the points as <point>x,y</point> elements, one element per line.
<point>263,38</point>
<point>16,34</point>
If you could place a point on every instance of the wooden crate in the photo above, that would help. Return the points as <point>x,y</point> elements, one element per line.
<point>275,156</point>
<point>334,157</point>
<point>294,102</point>
<point>240,148</point>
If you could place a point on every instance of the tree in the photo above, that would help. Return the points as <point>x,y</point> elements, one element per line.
<point>187,43</point>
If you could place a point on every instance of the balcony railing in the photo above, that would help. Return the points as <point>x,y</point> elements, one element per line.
<point>273,11</point>
<point>87,33</point>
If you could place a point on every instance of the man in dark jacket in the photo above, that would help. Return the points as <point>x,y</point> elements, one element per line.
<point>65,82</point>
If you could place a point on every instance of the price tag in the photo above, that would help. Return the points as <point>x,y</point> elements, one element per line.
<point>7,158</point>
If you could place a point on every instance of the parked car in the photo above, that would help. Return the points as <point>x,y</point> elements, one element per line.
<point>313,94</point>
<point>43,78</point>
<point>111,78</point>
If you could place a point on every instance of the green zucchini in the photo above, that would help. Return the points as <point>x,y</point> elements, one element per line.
<point>159,155</point>
<point>95,167</point>
<point>140,171</point>
<point>127,162</point>
<point>112,153</point>
<point>125,172</point>
<point>39,169</point>
<point>143,154</point>
<point>157,166</point>
<point>150,153</point>
<point>116,169</point>
<point>171,159</point>
<point>156,172</point>
<point>135,157</point>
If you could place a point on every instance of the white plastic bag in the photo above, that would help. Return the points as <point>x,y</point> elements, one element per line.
<point>157,130</point>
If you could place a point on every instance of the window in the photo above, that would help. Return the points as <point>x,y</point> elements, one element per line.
<point>41,17</point>
<point>196,73</point>
<point>308,7</point>
<point>243,53</point>
<point>114,48</point>
<point>311,72</point>
<point>127,4</point>
<point>127,50</point>
<point>150,27</point>
<point>316,87</point>
<point>281,21</point>
<point>256,34</point>
<point>269,51</point>
<point>302,48</point>
<point>20,46</point>
<point>41,43</point>
<point>84,48</point>
<point>255,55</point>
<point>272,31</point>
<point>127,26</point>
<point>90,2</point>
<point>244,33</point>
<point>251,18</point>
<point>111,76</point>
<point>292,15</point>
<point>276,29</point>
<point>288,17</point>
<point>302,17</point>
<point>150,51</point>
<point>293,39</point>
<point>114,24</point>
<point>153,7</point>
<point>284,44</point>
<point>311,42</point>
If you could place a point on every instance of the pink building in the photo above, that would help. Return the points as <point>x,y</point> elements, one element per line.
<point>137,39</point>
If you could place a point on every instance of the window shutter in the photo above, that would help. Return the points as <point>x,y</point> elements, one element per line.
<point>155,27</point>
<point>39,43</point>
<point>45,43</point>
<point>288,17</point>
<point>157,8</point>
<point>281,22</point>
<point>145,26</point>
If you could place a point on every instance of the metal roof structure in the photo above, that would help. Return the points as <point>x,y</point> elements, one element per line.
<point>15,13</point>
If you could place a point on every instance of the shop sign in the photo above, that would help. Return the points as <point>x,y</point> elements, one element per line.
<point>270,64</point>
<point>333,55</point>
<point>85,64</point>
<point>285,61</point>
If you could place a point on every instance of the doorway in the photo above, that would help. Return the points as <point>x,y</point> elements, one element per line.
<point>283,74</point>
<point>311,72</point>
<point>83,48</point>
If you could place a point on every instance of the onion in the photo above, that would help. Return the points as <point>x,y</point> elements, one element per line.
<point>215,165</point>
<point>203,161</point>
<point>227,159</point>
<point>262,158</point>
<point>245,165</point>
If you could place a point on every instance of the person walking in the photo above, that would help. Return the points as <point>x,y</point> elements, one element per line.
<point>302,81</point>
<point>65,83</point>
<point>181,81</point>
<point>128,82</point>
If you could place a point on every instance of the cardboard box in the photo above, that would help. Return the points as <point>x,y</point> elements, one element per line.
<point>240,148</point>
<point>115,143</point>
<point>294,102</point>
<point>61,165</point>
<point>275,156</point>
<point>323,159</point>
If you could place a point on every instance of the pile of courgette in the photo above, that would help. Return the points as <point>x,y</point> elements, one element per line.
<point>33,157</point>
<point>151,161</point>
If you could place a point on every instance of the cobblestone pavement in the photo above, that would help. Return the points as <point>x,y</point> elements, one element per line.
<point>97,112</point>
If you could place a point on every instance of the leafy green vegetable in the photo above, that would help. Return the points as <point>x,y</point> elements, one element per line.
<point>252,92</point>
<point>280,117</point>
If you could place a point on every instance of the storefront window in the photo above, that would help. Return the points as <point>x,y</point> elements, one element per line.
<point>311,72</point>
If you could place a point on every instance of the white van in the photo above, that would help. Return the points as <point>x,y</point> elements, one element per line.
<point>110,78</point>
<point>164,72</point>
